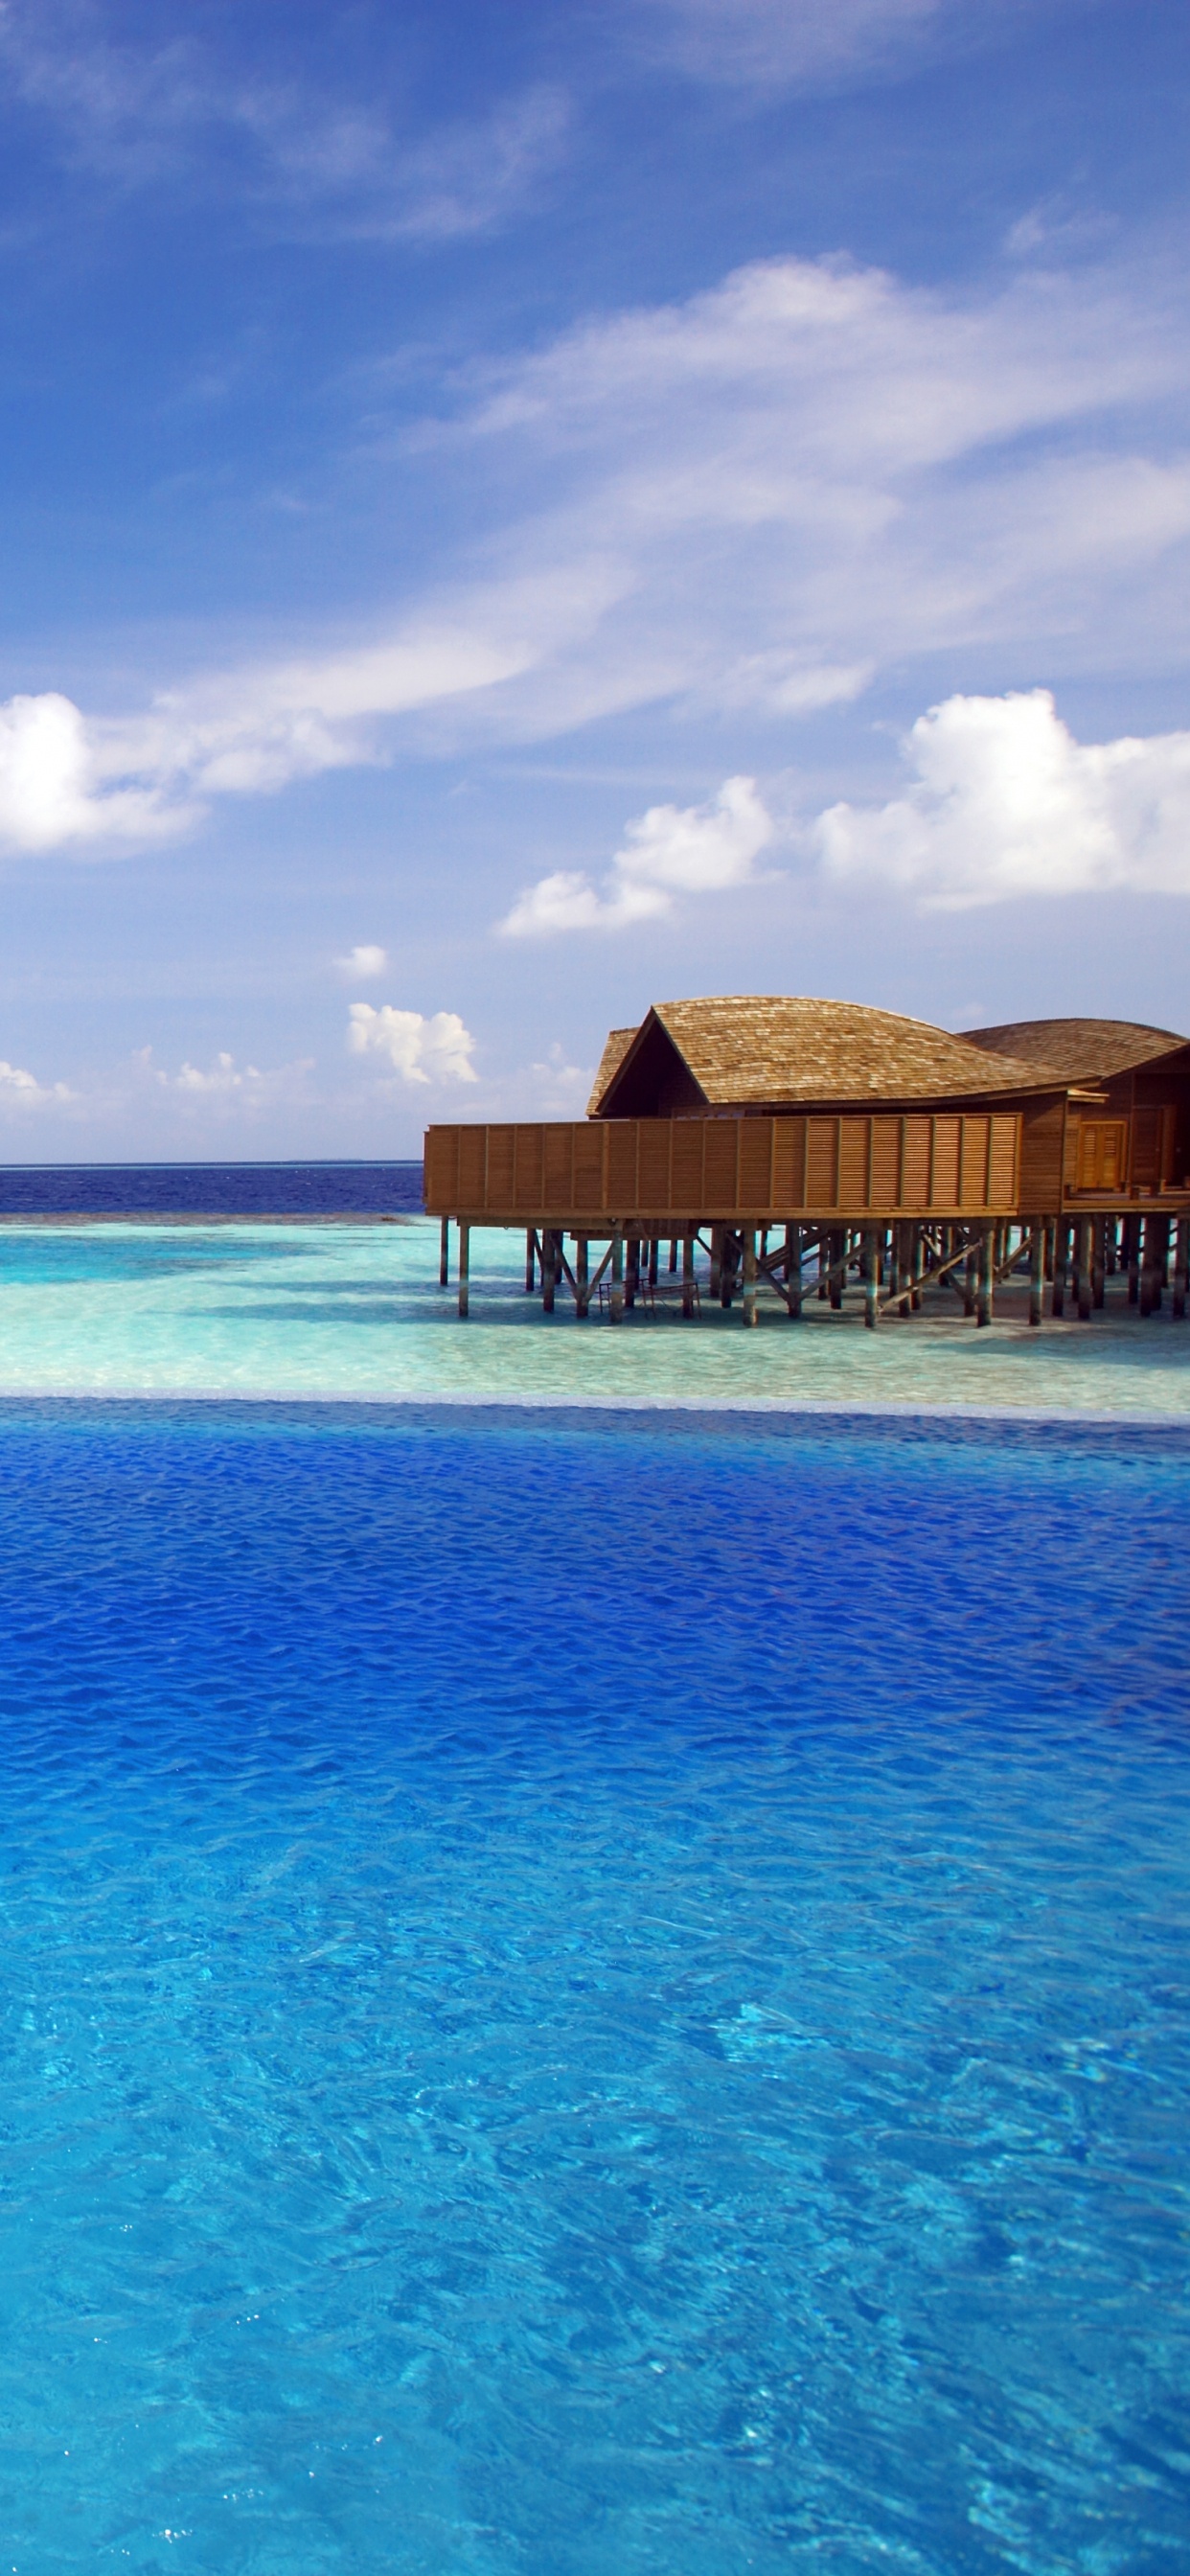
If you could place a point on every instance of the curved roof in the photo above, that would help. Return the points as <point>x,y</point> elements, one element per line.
<point>1082,1050</point>
<point>752,1048</point>
<point>615,1049</point>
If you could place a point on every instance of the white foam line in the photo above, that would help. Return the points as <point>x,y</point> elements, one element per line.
<point>455,1400</point>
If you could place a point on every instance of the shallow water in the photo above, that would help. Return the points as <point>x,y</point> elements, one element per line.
<point>591,1993</point>
<point>356,1310</point>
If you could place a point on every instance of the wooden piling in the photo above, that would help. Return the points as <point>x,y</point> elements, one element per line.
<point>987,1275</point>
<point>870,1257</point>
<point>1181,1264</point>
<point>687,1276</point>
<point>549,1269</point>
<point>530,1261</point>
<point>1099,1263</point>
<point>750,1316</point>
<point>464,1269</point>
<point>1037,1271</point>
<point>1061,1260</point>
<point>654,1256</point>
<point>582,1277</point>
<point>632,1272</point>
<point>444,1253</point>
<point>1086,1257</point>
<point>616,1309</point>
<point>793,1272</point>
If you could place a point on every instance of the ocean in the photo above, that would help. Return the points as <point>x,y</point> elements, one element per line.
<point>590,1986</point>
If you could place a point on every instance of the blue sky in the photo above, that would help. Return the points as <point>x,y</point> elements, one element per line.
<point>511,512</point>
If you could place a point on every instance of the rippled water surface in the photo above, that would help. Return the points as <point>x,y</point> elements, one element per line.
<point>591,1994</point>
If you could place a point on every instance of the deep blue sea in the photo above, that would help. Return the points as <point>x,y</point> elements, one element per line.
<point>209,1189</point>
<point>592,1995</point>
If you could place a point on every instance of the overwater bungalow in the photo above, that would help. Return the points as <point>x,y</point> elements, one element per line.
<point>871,1144</point>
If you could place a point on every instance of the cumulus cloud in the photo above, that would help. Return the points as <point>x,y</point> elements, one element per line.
<point>224,1083</point>
<point>419,1049</point>
<point>669,851</point>
<point>361,964</point>
<point>1006,803</point>
<point>21,1091</point>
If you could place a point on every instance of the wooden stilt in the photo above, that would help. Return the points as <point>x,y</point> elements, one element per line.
<point>464,1270</point>
<point>673,1252</point>
<point>1160,1261</point>
<point>582,1277</point>
<point>870,1257</point>
<point>616,1310</point>
<point>1086,1256</point>
<point>1037,1271</point>
<point>837,1259</point>
<point>730,1251</point>
<point>1130,1255</point>
<point>716,1281</point>
<point>1099,1262</point>
<point>971,1281</point>
<point>1061,1261</point>
<point>632,1271</point>
<point>749,1274</point>
<point>1181,1264</point>
<point>793,1272</point>
<point>1050,1231</point>
<point>987,1275</point>
<point>687,1276</point>
<point>444,1253</point>
<point>530,1262</point>
<point>654,1252</point>
<point>549,1269</point>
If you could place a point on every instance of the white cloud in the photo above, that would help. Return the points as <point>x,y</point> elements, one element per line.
<point>185,114</point>
<point>1006,803</point>
<point>21,1091</point>
<point>757,500</point>
<point>223,1086</point>
<point>362,963</point>
<point>668,851</point>
<point>438,1049</point>
<point>766,42</point>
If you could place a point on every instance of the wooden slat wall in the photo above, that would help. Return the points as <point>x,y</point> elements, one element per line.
<point>683,1168</point>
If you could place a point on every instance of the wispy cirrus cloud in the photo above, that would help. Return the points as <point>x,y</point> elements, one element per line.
<point>748,504</point>
<point>762,44</point>
<point>307,153</point>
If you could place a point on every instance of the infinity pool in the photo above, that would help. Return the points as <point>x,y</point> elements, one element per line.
<point>590,1993</point>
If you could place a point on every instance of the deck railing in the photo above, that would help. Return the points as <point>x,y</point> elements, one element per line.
<point>583,1172</point>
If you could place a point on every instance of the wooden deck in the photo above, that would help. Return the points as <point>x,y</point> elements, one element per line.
<point>657,1174</point>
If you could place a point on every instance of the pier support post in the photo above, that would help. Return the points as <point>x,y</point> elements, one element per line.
<point>1146,1267</point>
<point>617,1297</point>
<point>1181,1264</point>
<point>1131,1258</point>
<point>793,1272</point>
<point>464,1270</point>
<point>654,1252</point>
<point>549,1268</point>
<point>632,1271</point>
<point>971,1281</point>
<point>1086,1257</point>
<point>1099,1263</point>
<point>582,1278</point>
<point>673,1253</point>
<point>987,1275</point>
<point>1061,1256</point>
<point>530,1262</point>
<point>837,1260</point>
<point>749,1274</point>
<point>687,1276</point>
<point>716,1280</point>
<point>1037,1271</point>
<point>871,1268</point>
<point>444,1252</point>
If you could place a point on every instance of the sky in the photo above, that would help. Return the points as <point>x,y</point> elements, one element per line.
<point>511,510</point>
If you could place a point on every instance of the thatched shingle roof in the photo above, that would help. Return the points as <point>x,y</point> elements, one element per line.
<point>750,1049</point>
<point>1082,1050</point>
<point>615,1050</point>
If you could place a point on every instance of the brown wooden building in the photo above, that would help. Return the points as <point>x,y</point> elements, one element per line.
<point>866,1136</point>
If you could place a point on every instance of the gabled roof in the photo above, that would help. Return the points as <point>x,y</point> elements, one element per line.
<point>1082,1050</point>
<point>752,1049</point>
<point>615,1050</point>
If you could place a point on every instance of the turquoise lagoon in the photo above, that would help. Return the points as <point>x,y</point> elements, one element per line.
<point>594,1986</point>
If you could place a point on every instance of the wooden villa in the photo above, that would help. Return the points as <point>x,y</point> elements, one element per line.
<point>805,1143</point>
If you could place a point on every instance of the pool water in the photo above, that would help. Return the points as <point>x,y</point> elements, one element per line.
<point>588,1993</point>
